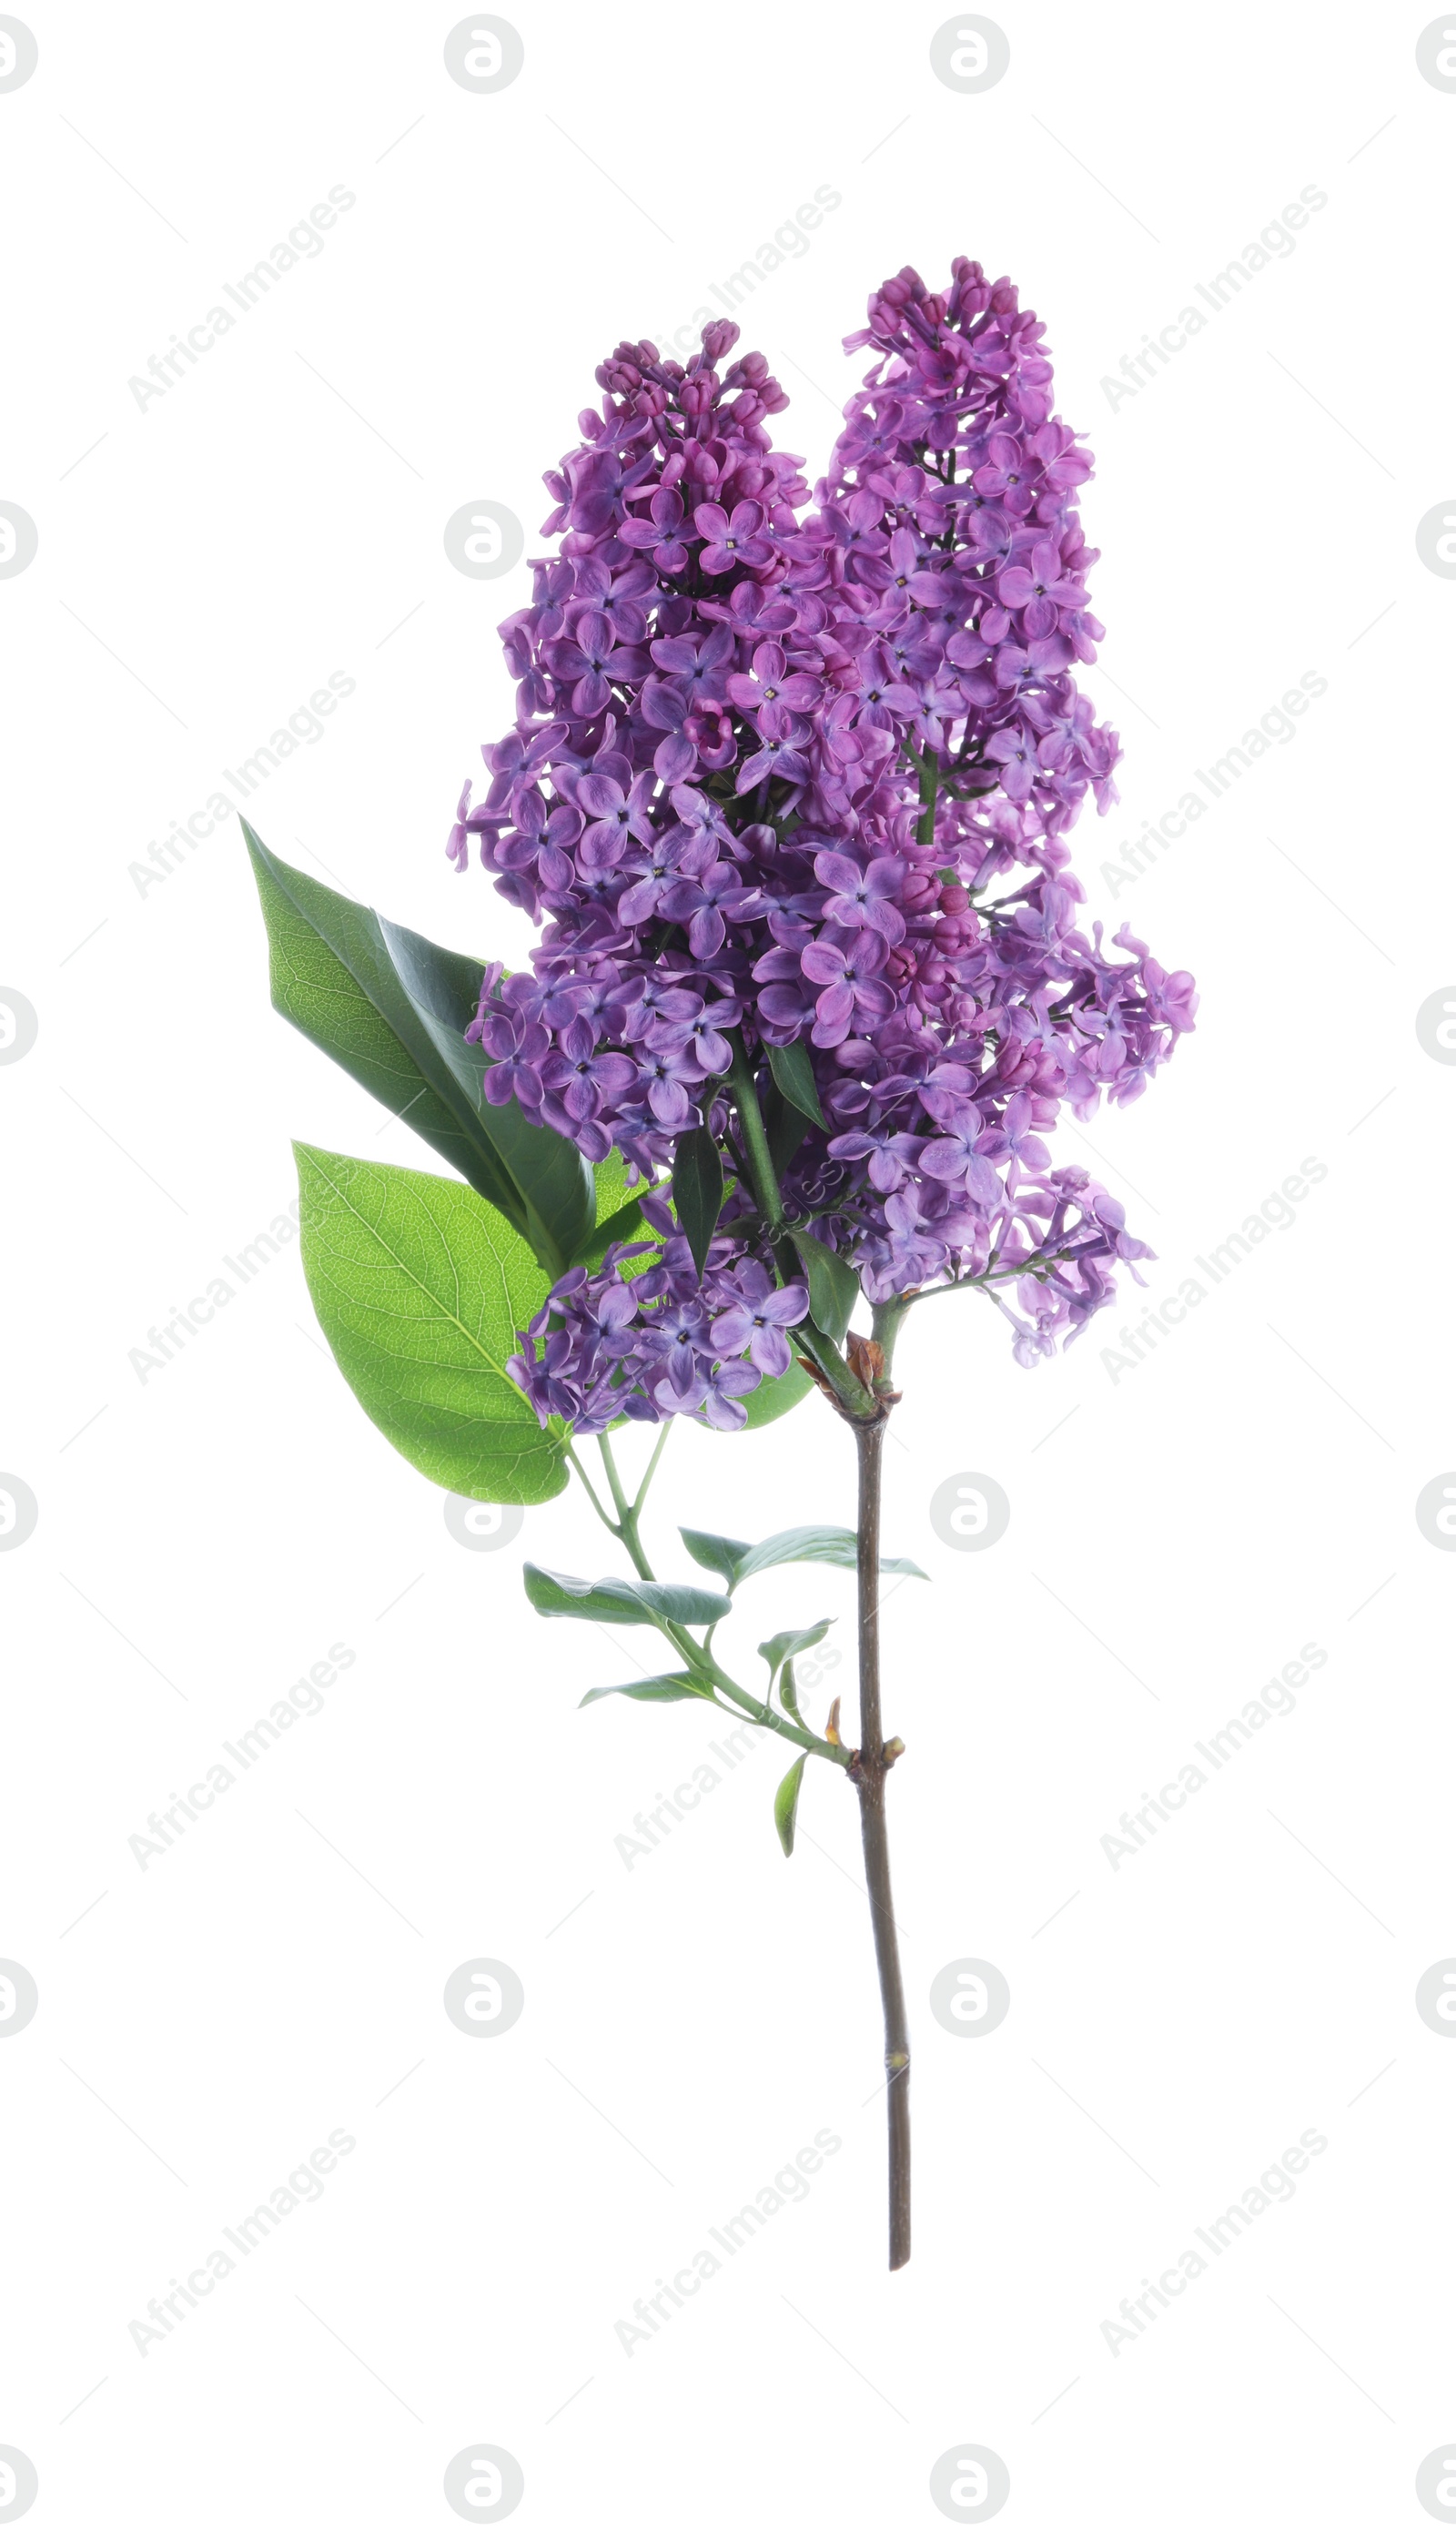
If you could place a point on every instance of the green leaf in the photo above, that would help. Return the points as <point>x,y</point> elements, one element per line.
<point>736,1562</point>
<point>786,1803</point>
<point>651,1688</point>
<point>772,1398</point>
<point>555,1593</point>
<point>697,1190</point>
<point>793,1072</point>
<point>421,1288</point>
<point>720,1552</point>
<point>789,1693</point>
<point>833,1287</point>
<point>787,1129</point>
<point>391,1009</point>
<point>786,1644</point>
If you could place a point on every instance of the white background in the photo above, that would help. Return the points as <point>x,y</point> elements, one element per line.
<point>1177,1535</point>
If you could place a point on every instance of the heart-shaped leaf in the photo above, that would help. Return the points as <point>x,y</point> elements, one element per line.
<point>421,1287</point>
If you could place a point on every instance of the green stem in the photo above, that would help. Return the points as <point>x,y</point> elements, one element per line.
<point>764,1183</point>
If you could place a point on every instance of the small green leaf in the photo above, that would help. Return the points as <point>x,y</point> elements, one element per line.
<point>785,1804</point>
<point>554,1592</point>
<point>771,1399</point>
<point>735,1561</point>
<point>793,1072</point>
<point>651,1688</point>
<point>720,1552</point>
<point>787,1129</point>
<point>421,1287</point>
<point>786,1644</point>
<point>833,1286</point>
<point>789,1693</point>
<point>697,1190</point>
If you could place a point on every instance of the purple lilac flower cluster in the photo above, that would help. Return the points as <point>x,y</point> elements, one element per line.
<point>770,764</point>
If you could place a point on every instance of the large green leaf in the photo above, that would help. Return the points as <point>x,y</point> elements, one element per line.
<point>391,1009</point>
<point>833,1286</point>
<point>554,1592</point>
<point>421,1287</point>
<point>735,1561</point>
